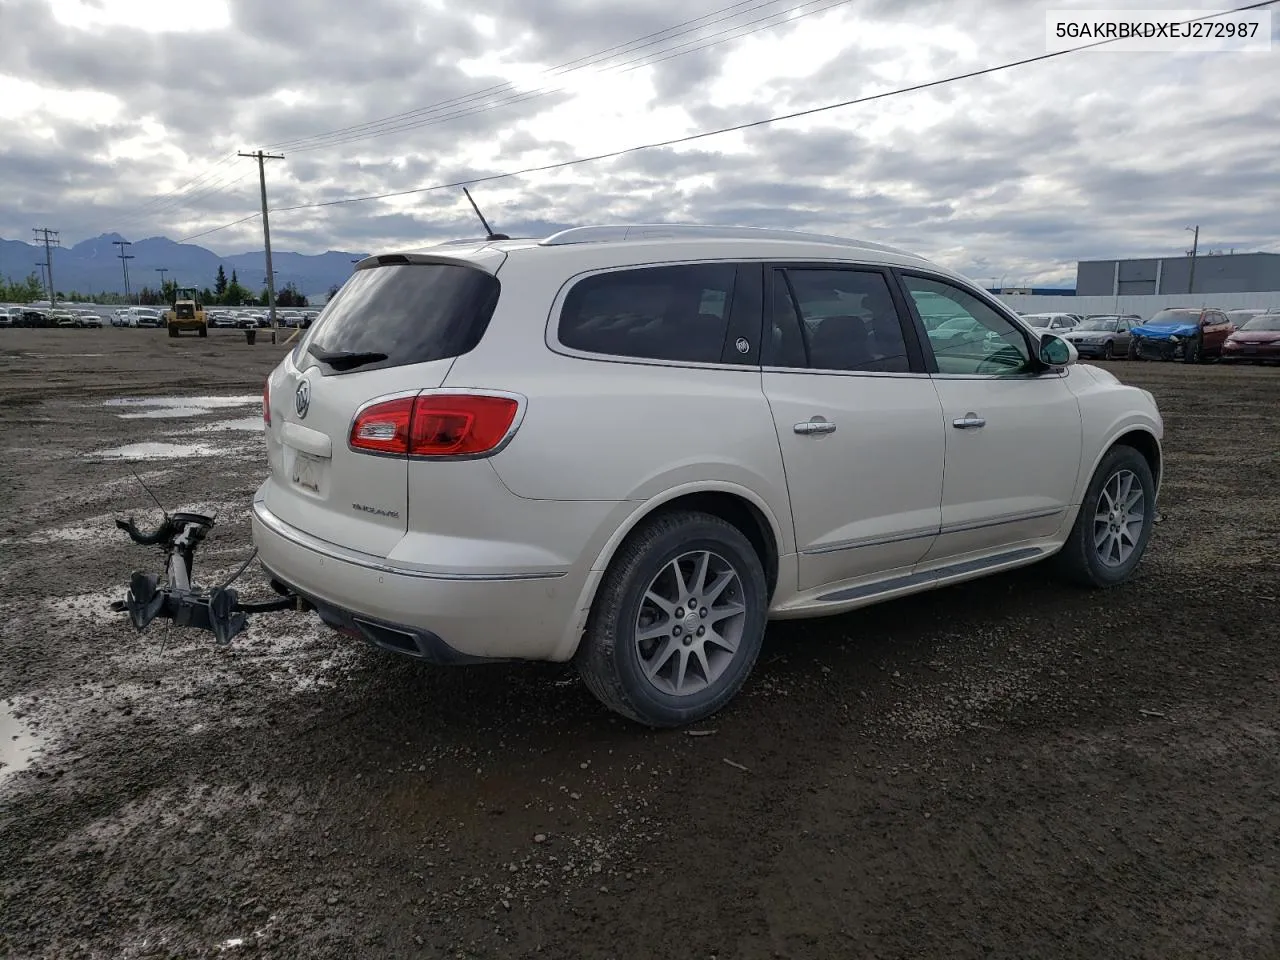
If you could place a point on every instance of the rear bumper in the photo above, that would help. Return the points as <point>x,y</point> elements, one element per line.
<point>1090,349</point>
<point>436,617</point>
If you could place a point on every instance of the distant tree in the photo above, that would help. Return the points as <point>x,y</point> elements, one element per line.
<point>220,283</point>
<point>206,296</point>
<point>22,291</point>
<point>290,296</point>
<point>333,292</point>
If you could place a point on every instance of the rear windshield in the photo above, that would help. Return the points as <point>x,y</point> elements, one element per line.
<point>411,312</point>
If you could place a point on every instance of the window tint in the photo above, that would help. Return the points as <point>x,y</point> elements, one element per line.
<point>846,320</point>
<point>412,313</point>
<point>655,313</point>
<point>978,341</point>
<point>788,345</point>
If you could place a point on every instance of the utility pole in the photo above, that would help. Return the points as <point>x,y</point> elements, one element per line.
<point>266,231</point>
<point>124,262</point>
<point>162,271</point>
<point>1195,247</point>
<point>50,238</point>
<point>44,277</point>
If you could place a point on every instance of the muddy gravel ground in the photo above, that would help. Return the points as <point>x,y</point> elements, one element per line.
<point>1011,768</point>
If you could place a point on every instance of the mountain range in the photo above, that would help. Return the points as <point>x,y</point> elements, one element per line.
<point>94,266</point>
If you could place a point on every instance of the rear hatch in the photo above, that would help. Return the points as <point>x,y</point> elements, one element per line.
<point>393,329</point>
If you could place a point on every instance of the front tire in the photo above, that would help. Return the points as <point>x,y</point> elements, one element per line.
<point>1193,351</point>
<point>204,331</point>
<point>1109,350</point>
<point>1132,352</point>
<point>678,622</point>
<point>173,331</point>
<point>1114,524</point>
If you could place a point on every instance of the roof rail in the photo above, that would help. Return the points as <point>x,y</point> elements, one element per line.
<point>658,231</point>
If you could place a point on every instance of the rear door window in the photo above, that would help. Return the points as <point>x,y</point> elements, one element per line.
<point>676,313</point>
<point>837,319</point>
<point>405,313</point>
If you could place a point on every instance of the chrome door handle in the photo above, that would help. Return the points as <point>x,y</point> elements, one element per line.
<point>813,426</point>
<point>969,422</point>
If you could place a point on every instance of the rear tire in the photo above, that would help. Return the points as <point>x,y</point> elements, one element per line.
<point>204,331</point>
<point>649,657</point>
<point>173,331</point>
<point>1094,554</point>
<point>1131,353</point>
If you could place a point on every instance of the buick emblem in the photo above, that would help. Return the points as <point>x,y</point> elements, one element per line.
<point>742,345</point>
<point>302,399</point>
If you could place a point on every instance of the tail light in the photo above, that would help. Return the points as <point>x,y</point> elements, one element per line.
<point>435,425</point>
<point>266,402</point>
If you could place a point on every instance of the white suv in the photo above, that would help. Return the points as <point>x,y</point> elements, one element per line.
<point>632,446</point>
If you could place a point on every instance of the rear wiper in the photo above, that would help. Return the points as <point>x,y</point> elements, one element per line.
<point>345,359</point>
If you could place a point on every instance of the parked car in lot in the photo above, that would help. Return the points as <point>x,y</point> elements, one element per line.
<point>145,317</point>
<point>1258,341</point>
<point>629,447</point>
<point>1051,322</point>
<point>1191,334</point>
<point>1243,315</point>
<point>1105,336</point>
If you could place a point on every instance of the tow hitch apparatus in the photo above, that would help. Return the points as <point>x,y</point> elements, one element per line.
<point>218,610</point>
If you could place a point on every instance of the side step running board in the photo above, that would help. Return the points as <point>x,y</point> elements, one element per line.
<point>929,576</point>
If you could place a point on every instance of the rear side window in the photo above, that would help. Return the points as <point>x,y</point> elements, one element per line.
<point>411,312</point>
<point>845,320</point>
<point>678,313</point>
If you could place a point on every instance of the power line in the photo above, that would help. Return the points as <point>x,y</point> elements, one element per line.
<point>182,195</point>
<point>568,66</point>
<point>689,138</point>
<point>197,236</point>
<point>625,66</point>
<point>167,200</point>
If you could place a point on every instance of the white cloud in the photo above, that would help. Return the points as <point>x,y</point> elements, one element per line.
<point>151,16</point>
<point>1016,173</point>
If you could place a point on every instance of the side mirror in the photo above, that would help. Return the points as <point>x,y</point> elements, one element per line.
<point>1056,352</point>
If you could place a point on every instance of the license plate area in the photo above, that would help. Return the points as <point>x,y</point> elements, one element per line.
<point>308,472</point>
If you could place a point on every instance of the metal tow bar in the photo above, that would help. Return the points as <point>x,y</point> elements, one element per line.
<point>218,610</point>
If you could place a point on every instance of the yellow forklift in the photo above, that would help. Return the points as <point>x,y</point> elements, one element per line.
<point>187,313</point>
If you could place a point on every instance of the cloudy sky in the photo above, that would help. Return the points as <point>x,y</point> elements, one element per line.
<point>126,115</point>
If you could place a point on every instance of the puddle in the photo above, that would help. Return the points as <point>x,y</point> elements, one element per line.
<point>167,413</point>
<point>18,745</point>
<point>163,408</point>
<point>157,451</point>
<point>59,356</point>
<point>249,424</point>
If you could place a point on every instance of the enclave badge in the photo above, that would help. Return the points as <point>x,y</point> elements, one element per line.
<point>302,399</point>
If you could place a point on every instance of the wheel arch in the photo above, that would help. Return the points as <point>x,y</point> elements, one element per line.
<point>1138,436</point>
<point>1146,443</point>
<point>734,504</point>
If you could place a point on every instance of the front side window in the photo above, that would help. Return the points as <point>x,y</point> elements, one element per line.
<point>676,313</point>
<point>838,319</point>
<point>978,340</point>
